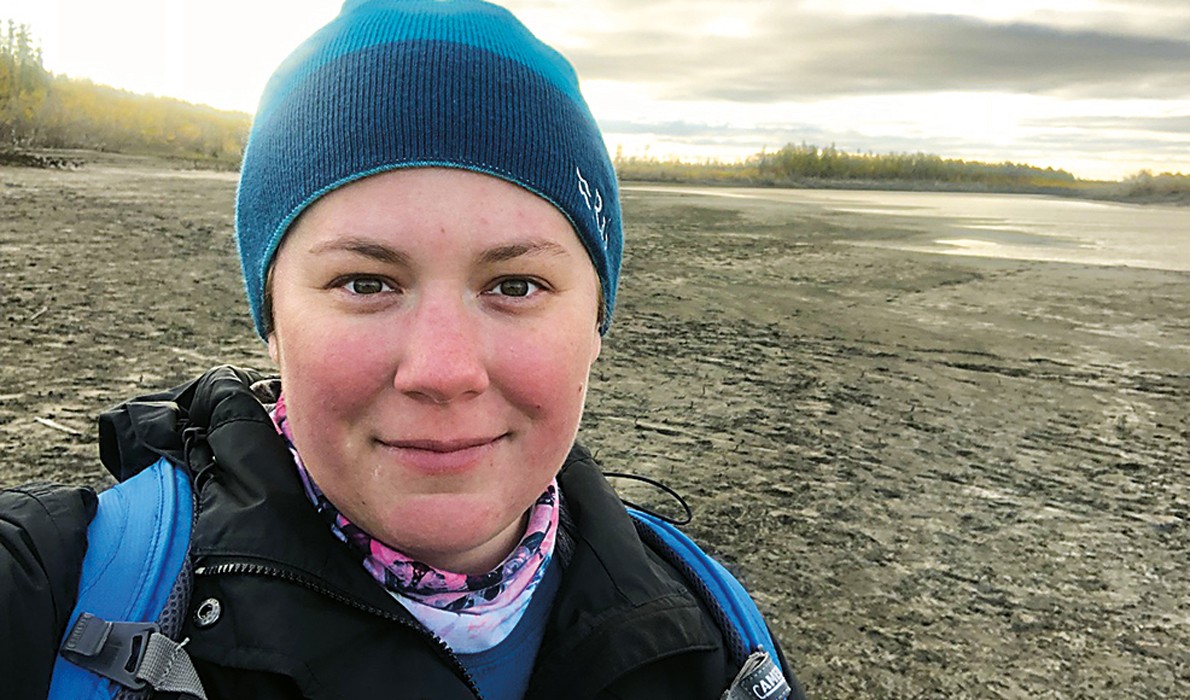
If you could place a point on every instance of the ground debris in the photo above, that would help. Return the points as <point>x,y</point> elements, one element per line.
<point>30,159</point>
<point>58,426</point>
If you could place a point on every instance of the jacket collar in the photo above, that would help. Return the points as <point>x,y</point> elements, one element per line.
<point>617,601</point>
<point>250,500</point>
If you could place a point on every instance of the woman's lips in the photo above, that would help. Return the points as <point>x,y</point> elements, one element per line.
<point>441,456</point>
<point>441,445</point>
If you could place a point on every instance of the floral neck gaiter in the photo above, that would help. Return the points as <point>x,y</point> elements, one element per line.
<point>472,613</point>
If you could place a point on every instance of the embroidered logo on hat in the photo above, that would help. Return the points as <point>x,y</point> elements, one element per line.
<point>596,207</point>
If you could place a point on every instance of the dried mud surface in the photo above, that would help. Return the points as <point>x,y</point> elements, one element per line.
<point>942,477</point>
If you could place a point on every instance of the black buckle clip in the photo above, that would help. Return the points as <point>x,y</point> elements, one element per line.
<point>112,649</point>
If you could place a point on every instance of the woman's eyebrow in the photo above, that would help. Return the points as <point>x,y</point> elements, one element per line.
<point>366,248</point>
<point>516,250</point>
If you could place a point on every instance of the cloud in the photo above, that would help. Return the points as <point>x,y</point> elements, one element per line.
<point>727,133</point>
<point>770,137</point>
<point>791,57</point>
<point>1179,125</point>
<point>1085,152</point>
<point>711,78</point>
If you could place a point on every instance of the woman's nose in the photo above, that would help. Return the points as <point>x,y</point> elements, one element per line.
<point>442,354</point>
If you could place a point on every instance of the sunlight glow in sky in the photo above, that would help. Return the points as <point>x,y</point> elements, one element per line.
<point>1098,87</point>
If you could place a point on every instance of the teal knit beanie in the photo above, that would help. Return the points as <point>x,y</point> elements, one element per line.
<point>408,83</point>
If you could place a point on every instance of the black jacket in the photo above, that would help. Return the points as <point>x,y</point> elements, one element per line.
<point>299,617</point>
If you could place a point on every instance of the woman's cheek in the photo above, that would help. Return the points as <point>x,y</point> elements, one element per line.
<point>541,377</point>
<point>336,363</point>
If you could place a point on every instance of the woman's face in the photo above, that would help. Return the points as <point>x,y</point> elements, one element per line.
<point>434,330</point>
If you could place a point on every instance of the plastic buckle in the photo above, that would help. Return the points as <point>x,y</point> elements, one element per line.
<point>112,649</point>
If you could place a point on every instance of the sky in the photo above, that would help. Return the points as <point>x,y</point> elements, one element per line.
<point>1100,88</point>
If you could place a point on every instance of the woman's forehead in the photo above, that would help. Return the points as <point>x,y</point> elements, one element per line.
<point>391,216</point>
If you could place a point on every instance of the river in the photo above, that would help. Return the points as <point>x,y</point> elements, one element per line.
<point>1018,227</point>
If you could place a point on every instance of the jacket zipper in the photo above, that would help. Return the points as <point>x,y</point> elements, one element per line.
<point>252,569</point>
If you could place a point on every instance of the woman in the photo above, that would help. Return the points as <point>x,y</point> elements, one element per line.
<point>430,237</point>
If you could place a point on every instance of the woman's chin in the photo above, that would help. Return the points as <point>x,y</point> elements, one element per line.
<point>454,533</point>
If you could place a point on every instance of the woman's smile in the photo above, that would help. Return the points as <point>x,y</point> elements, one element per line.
<point>438,456</point>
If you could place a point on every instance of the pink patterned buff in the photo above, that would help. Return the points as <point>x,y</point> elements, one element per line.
<point>472,613</point>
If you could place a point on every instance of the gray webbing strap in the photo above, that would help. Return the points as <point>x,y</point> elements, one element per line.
<point>133,654</point>
<point>166,667</point>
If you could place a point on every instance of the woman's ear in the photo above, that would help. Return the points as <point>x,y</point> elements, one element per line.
<point>596,347</point>
<point>274,350</point>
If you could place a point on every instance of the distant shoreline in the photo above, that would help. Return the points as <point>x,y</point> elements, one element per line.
<point>70,158</point>
<point>1096,191</point>
<point>1090,190</point>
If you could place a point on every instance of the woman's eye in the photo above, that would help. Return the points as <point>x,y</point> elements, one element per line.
<point>365,286</point>
<point>515,287</point>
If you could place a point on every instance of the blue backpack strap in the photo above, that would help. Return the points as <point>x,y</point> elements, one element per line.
<point>751,646</point>
<point>136,558</point>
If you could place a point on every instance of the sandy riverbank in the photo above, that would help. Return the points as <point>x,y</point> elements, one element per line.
<point>944,477</point>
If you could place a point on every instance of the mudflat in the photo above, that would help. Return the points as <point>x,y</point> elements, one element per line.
<point>942,477</point>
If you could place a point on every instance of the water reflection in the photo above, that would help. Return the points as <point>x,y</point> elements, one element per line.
<point>1018,227</point>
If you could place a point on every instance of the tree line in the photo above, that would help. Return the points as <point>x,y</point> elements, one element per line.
<point>41,110</point>
<point>811,161</point>
<point>1164,186</point>
<point>804,163</point>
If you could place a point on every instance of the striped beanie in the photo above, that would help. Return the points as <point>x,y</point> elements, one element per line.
<point>406,83</point>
